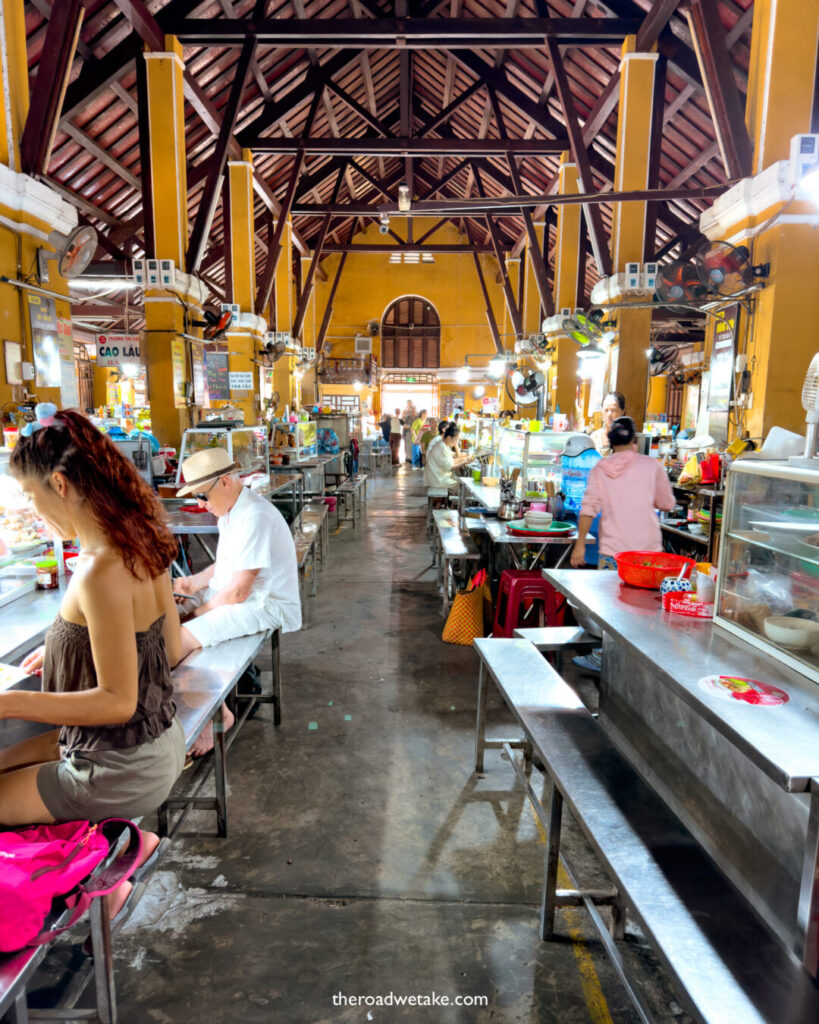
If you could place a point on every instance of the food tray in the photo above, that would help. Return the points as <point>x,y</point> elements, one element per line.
<point>518,528</point>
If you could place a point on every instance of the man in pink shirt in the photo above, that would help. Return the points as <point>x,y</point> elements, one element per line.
<point>627,489</point>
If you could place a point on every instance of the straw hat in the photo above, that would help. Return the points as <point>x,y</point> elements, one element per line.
<point>204,466</point>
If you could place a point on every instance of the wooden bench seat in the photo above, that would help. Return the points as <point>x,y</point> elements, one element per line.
<point>727,966</point>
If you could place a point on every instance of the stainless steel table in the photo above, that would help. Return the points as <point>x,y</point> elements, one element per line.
<point>743,778</point>
<point>26,620</point>
<point>489,497</point>
<point>498,534</point>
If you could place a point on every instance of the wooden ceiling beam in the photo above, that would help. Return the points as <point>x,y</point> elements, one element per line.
<point>402,33</point>
<point>724,101</point>
<point>50,84</point>
<point>368,145</point>
<point>597,231</point>
<point>217,163</point>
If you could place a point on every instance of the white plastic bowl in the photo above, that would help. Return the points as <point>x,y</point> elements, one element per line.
<point>798,634</point>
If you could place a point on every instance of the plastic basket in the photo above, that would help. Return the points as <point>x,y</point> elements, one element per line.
<point>649,568</point>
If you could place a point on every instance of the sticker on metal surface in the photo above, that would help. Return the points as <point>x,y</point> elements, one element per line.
<point>747,691</point>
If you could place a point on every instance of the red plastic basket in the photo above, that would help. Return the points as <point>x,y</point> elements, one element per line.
<point>649,568</point>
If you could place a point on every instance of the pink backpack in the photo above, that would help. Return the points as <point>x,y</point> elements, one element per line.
<point>44,861</point>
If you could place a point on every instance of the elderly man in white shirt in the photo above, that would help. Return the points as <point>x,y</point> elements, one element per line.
<point>253,584</point>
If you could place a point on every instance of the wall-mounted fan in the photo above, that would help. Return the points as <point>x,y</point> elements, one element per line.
<point>526,389</point>
<point>587,329</point>
<point>726,270</point>
<point>661,359</point>
<point>214,324</point>
<point>74,252</point>
<point>679,282</point>
<point>374,328</point>
<point>810,403</point>
<point>272,352</point>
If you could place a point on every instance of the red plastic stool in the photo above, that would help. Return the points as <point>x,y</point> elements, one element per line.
<point>525,585</point>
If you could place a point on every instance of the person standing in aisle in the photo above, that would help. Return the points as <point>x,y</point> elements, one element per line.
<point>384,424</point>
<point>614,405</point>
<point>407,418</point>
<point>395,437</point>
<point>626,489</point>
<point>417,429</point>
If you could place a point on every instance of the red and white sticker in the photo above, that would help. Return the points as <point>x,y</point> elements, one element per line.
<point>746,691</point>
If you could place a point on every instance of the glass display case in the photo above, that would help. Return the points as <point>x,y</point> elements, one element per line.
<point>22,532</point>
<point>536,454</point>
<point>245,445</point>
<point>298,440</point>
<point>768,580</point>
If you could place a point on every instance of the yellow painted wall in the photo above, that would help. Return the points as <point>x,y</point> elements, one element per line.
<point>369,284</point>
<point>657,394</point>
<point>14,316</point>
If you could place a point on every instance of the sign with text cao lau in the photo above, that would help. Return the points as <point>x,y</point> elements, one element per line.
<point>115,349</point>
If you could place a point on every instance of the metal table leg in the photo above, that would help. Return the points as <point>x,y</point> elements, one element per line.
<point>220,776</point>
<point>480,725</point>
<point>276,683</point>
<point>103,961</point>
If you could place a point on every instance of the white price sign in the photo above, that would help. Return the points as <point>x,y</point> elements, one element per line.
<point>116,349</point>
<point>240,381</point>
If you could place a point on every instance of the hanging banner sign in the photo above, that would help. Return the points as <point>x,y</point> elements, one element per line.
<point>115,349</point>
<point>241,381</point>
<point>69,389</point>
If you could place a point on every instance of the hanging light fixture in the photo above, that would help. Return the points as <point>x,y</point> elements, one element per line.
<point>404,198</point>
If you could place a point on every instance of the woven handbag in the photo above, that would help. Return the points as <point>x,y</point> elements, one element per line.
<point>466,617</point>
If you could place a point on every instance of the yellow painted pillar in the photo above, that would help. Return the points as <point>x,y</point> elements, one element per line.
<point>29,209</point>
<point>285,308</point>
<point>532,319</point>
<point>637,73</point>
<point>166,351</point>
<point>784,41</point>
<point>513,270</point>
<point>564,373</point>
<point>245,340</point>
<point>779,105</point>
<point>14,81</point>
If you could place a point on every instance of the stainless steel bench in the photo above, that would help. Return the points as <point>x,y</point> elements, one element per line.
<point>451,547</point>
<point>727,966</point>
<point>201,686</point>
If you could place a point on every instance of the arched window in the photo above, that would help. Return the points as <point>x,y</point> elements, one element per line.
<point>411,334</point>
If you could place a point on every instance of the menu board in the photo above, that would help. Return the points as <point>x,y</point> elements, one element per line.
<point>42,313</point>
<point>178,372</point>
<point>200,392</point>
<point>216,375</point>
<point>69,390</point>
<point>722,362</point>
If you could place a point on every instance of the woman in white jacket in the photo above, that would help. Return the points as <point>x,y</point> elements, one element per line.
<point>441,460</point>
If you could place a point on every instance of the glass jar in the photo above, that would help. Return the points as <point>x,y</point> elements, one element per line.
<point>47,575</point>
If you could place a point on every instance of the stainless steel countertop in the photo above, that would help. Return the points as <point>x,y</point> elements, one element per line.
<point>500,535</point>
<point>782,740</point>
<point>26,620</point>
<point>192,522</point>
<point>489,497</point>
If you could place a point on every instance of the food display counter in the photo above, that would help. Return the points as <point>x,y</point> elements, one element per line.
<point>536,453</point>
<point>247,446</point>
<point>22,533</point>
<point>727,735</point>
<point>768,583</point>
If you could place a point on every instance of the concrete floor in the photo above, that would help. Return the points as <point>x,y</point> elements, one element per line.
<point>364,857</point>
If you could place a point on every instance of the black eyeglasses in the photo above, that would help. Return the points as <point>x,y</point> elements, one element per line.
<point>203,496</point>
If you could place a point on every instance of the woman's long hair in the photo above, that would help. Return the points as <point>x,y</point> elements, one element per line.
<point>119,499</point>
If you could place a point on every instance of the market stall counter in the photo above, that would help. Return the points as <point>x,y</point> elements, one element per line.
<point>725,734</point>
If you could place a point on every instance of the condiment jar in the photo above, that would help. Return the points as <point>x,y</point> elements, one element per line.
<point>47,575</point>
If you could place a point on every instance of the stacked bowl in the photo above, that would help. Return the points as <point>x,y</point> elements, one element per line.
<point>538,519</point>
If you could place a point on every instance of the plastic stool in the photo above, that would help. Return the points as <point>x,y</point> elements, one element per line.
<point>519,586</point>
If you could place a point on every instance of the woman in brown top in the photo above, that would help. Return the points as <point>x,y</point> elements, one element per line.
<point>106,661</point>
